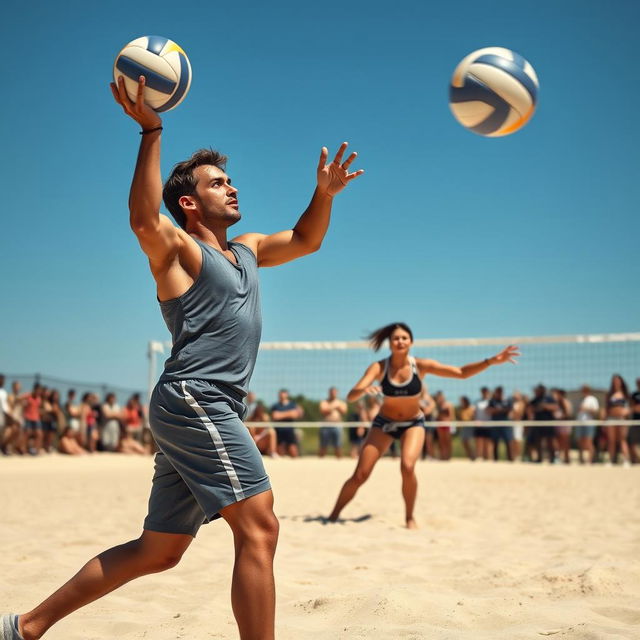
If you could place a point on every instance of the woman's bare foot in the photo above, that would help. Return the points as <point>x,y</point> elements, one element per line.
<point>412,524</point>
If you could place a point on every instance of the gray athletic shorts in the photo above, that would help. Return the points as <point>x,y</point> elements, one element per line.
<point>207,458</point>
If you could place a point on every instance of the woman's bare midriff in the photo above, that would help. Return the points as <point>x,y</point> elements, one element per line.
<point>400,409</point>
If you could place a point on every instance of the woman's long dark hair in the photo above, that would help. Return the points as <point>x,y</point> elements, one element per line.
<point>377,337</point>
<point>623,385</point>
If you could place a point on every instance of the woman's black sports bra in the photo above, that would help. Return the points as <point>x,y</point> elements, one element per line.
<point>409,389</point>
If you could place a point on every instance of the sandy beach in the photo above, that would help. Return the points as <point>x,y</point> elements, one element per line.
<point>504,551</point>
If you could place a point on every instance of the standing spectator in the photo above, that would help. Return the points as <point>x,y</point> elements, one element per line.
<point>466,413</point>
<point>51,417</point>
<point>110,416</point>
<point>89,422</point>
<point>72,414</point>
<point>563,432</point>
<point>518,412</point>
<point>499,409</point>
<point>368,409</point>
<point>541,408</point>
<point>264,437</point>
<point>444,413</point>
<point>16,408</point>
<point>285,410</point>
<point>32,425</point>
<point>484,442</point>
<point>133,418</point>
<point>617,407</point>
<point>633,438</point>
<point>428,408</point>
<point>588,410</point>
<point>333,410</point>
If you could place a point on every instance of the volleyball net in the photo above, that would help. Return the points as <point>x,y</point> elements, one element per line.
<point>308,369</point>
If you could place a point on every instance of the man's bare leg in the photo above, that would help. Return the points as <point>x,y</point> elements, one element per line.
<point>151,553</point>
<point>253,593</point>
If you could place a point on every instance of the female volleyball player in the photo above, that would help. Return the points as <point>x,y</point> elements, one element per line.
<point>399,380</point>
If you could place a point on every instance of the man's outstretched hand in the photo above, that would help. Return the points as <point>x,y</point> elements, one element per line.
<point>334,177</point>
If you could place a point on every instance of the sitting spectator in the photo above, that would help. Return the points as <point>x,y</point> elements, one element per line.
<point>72,415</point>
<point>68,443</point>
<point>264,437</point>
<point>129,444</point>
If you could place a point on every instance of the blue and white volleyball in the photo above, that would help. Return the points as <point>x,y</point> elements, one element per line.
<point>493,92</point>
<point>164,65</point>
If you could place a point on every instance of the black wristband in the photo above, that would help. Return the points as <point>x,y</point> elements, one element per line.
<point>150,130</point>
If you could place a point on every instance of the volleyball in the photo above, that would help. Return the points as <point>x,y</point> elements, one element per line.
<point>164,65</point>
<point>493,92</point>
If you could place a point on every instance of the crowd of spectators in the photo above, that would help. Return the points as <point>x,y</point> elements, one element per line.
<point>40,421</point>
<point>605,443</point>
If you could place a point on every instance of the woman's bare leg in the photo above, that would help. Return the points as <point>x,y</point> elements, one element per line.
<point>373,448</point>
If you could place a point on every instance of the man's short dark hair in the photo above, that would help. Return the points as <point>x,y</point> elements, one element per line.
<point>182,182</point>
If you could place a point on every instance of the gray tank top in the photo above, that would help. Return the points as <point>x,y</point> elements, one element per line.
<point>216,324</point>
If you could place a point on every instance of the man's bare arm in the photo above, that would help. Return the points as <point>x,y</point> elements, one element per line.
<point>308,233</point>
<point>158,237</point>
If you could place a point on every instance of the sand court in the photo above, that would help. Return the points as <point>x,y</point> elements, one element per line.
<point>504,551</point>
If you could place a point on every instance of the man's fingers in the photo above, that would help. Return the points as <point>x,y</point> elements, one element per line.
<point>140,91</point>
<point>355,174</point>
<point>324,154</point>
<point>349,160</point>
<point>340,153</point>
<point>114,91</point>
<point>124,96</point>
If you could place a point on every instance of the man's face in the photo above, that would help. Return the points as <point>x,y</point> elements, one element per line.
<point>283,396</point>
<point>16,387</point>
<point>333,393</point>
<point>215,201</point>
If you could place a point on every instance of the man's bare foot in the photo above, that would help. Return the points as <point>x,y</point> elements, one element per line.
<point>412,524</point>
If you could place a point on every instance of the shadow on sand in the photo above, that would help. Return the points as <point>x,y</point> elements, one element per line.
<point>325,520</point>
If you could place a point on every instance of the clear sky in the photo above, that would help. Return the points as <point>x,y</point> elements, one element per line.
<point>458,235</point>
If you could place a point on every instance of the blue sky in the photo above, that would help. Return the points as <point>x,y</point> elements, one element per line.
<point>458,235</point>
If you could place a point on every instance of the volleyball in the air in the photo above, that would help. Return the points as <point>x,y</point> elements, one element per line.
<point>164,65</point>
<point>493,92</point>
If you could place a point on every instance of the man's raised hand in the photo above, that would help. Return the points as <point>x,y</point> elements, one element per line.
<point>334,177</point>
<point>141,112</point>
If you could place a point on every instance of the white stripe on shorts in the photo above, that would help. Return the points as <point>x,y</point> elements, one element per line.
<point>217,441</point>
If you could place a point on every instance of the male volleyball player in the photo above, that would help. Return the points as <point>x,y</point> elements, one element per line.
<point>208,465</point>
